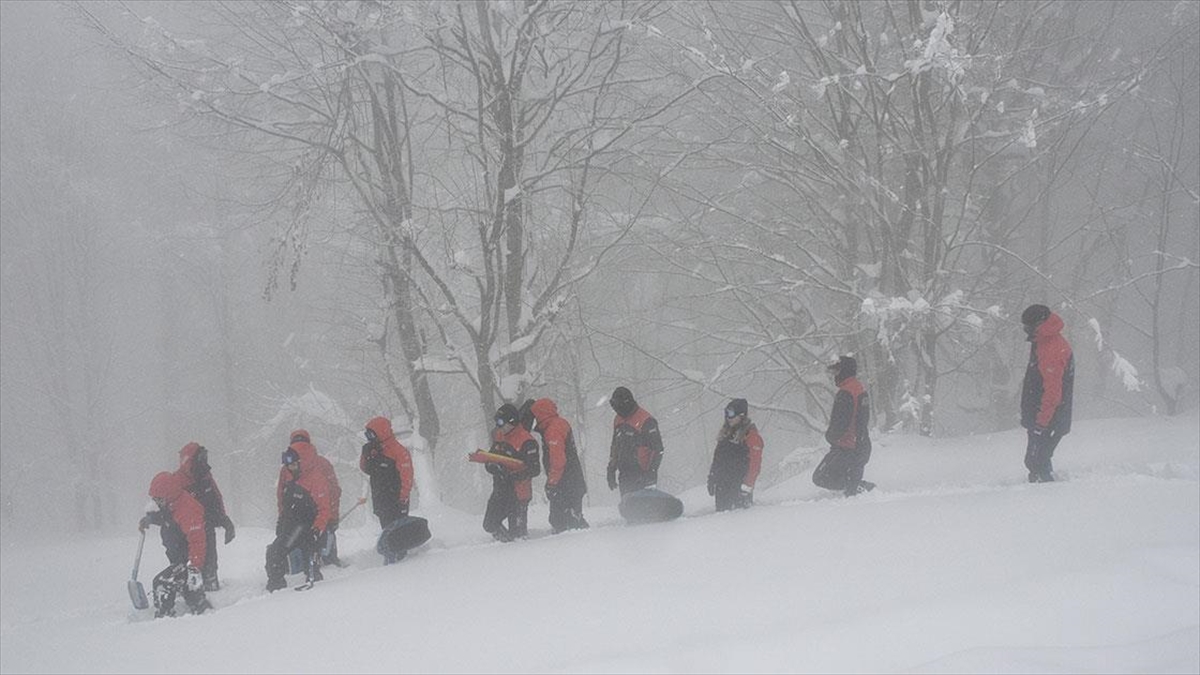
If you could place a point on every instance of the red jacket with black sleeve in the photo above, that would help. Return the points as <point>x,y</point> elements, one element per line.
<point>564,472</point>
<point>519,444</point>
<point>389,467</point>
<point>1048,388</point>
<point>637,448</point>
<point>312,484</point>
<point>850,417</point>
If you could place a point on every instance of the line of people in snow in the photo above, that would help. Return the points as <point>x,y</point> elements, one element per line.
<point>188,506</point>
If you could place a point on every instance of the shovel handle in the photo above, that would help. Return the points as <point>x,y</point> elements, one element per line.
<point>137,562</point>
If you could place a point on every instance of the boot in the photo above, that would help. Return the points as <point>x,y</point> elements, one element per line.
<point>276,583</point>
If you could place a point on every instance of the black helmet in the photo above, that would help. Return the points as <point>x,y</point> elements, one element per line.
<point>507,414</point>
<point>1034,315</point>
<point>846,366</point>
<point>737,406</point>
<point>622,402</point>
<point>526,411</point>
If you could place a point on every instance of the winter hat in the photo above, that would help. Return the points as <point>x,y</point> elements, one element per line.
<point>300,435</point>
<point>622,402</point>
<point>737,406</point>
<point>527,418</point>
<point>507,414</point>
<point>1034,315</point>
<point>845,367</point>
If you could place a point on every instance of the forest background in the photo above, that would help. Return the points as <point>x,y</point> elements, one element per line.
<point>221,221</point>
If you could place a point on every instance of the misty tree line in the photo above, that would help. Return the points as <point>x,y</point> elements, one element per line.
<point>425,209</point>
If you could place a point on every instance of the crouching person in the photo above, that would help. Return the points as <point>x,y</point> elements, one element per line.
<point>303,516</point>
<point>181,519</point>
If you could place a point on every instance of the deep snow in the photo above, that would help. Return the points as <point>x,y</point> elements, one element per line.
<point>954,564</point>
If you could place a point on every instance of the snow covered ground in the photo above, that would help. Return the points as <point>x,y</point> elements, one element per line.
<point>953,565</point>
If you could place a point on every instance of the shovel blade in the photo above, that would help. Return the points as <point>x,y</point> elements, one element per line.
<point>137,595</point>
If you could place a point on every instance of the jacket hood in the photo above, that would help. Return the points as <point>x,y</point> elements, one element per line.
<point>544,409</point>
<point>1053,325</point>
<point>187,457</point>
<point>307,454</point>
<point>166,486</point>
<point>382,427</point>
<point>300,435</point>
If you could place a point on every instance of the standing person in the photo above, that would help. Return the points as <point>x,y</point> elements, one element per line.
<point>329,545</point>
<point>303,516</point>
<point>511,488</point>
<point>196,476</point>
<point>637,446</point>
<point>1047,390</point>
<point>565,485</point>
<point>181,518</point>
<point>389,467</point>
<point>849,440</point>
<point>736,460</point>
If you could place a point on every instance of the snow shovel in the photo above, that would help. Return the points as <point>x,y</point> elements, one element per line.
<point>137,594</point>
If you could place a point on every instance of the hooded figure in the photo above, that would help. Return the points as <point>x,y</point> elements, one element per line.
<point>196,476</point>
<point>389,467</point>
<point>848,437</point>
<point>737,459</point>
<point>303,516</point>
<point>565,485</point>
<point>511,488</point>
<point>1047,391</point>
<point>181,518</point>
<point>329,545</point>
<point>637,448</point>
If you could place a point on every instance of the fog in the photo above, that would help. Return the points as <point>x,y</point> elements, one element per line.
<point>220,222</point>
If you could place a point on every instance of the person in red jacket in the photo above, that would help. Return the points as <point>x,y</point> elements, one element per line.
<point>511,489</point>
<point>196,475</point>
<point>737,459</point>
<point>565,485</point>
<point>303,517</point>
<point>329,544</point>
<point>847,435</point>
<point>1047,391</point>
<point>389,467</point>
<point>181,518</point>
<point>637,446</point>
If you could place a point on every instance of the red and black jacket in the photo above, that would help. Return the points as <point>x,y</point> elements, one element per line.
<point>850,417</point>
<point>563,469</point>
<point>1049,382</point>
<point>519,444</point>
<point>389,467</point>
<point>737,459</point>
<point>637,446</point>
<point>181,520</point>
<point>196,477</point>
<point>327,470</point>
<point>305,498</point>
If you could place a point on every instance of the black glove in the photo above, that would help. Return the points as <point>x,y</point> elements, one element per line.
<point>612,476</point>
<point>1039,432</point>
<point>370,448</point>
<point>143,523</point>
<point>404,508</point>
<point>229,531</point>
<point>494,469</point>
<point>316,535</point>
<point>712,485</point>
<point>551,492</point>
